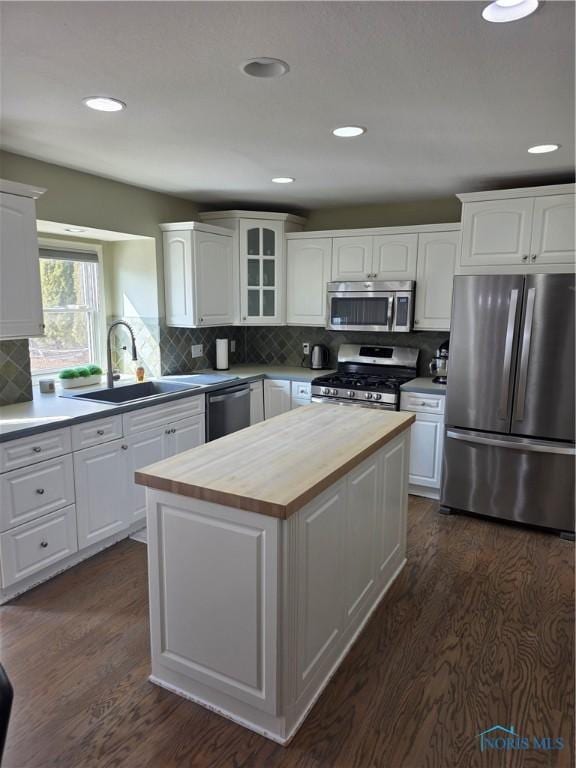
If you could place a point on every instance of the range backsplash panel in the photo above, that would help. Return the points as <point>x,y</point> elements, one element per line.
<point>283,345</point>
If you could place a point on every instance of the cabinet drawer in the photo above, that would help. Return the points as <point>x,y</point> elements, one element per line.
<point>159,415</point>
<point>96,432</point>
<point>28,493</point>
<point>31,547</point>
<point>422,403</point>
<point>30,450</point>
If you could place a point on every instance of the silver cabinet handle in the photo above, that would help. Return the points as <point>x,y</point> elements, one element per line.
<point>40,491</point>
<point>525,354</point>
<point>505,387</point>
<point>43,543</point>
<point>99,431</point>
<point>36,449</point>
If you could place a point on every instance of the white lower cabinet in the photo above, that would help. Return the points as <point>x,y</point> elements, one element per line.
<point>301,393</point>
<point>256,402</point>
<point>277,397</point>
<point>31,547</point>
<point>144,448</point>
<point>185,434</point>
<point>427,442</point>
<point>101,480</point>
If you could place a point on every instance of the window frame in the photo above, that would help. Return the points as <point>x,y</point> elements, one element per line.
<point>47,244</point>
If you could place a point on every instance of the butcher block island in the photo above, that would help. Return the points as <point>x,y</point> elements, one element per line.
<point>268,550</point>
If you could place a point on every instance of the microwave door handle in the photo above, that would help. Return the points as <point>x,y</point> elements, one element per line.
<point>391,302</point>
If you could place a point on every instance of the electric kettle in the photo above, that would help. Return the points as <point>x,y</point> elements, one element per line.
<point>319,356</point>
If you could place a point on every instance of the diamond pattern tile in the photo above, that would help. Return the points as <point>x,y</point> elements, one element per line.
<point>15,379</point>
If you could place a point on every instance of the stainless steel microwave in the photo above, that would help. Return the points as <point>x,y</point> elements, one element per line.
<point>371,306</point>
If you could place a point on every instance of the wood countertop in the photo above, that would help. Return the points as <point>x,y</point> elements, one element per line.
<point>275,467</point>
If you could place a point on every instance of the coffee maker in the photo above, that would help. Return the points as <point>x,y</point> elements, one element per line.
<point>439,363</point>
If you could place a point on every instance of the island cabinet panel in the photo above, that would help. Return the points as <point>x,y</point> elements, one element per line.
<point>214,596</point>
<point>391,522</point>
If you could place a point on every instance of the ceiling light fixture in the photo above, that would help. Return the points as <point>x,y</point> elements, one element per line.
<point>349,131</point>
<point>542,149</point>
<point>283,180</point>
<point>509,10</point>
<point>264,66</point>
<point>104,103</point>
<point>74,229</point>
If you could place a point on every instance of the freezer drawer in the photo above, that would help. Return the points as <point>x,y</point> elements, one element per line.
<point>510,478</point>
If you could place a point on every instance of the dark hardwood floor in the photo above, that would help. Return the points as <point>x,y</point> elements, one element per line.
<point>478,630</point>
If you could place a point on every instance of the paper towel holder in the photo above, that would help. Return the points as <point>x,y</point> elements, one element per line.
<point>222,355</point>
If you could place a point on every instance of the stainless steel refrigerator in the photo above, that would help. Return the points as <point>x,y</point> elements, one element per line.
<point>509,448</point>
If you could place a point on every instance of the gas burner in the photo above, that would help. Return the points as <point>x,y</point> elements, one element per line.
<point>376,383</point>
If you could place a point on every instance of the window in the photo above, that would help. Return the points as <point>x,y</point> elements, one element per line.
<point>70,294</point>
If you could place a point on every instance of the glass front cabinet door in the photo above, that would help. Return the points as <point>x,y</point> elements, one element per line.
<point>261,272</point>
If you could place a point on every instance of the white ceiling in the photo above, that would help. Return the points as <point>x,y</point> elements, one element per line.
<point>451,102</point>
<point>85,233</point>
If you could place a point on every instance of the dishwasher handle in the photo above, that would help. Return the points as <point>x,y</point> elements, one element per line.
<point>230,394</point>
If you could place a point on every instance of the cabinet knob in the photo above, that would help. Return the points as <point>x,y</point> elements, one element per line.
<point>525,257</point>
<point>243,318</point>
<point>43,543</point>
<point>416,322</point>
<point>40,491</point>
<point>36,449</point>
<point>534,256</point>
<point>124,447</point>
<point>166,431</point>
<point>173,430</point>
<point>99,431</point>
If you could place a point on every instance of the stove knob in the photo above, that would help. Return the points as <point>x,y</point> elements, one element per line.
<point>325,391</point>
<point>334,392</point>
<point>368,395</point>
<point>378,397</point>
<point>351,393</point>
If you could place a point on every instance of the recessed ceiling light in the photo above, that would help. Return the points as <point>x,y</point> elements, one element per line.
<point>74,229</point>
<point>541,149</point>
<point>349,131</point>
<point>104,104</point>
<point>263,66</point>
<point>283,180</point>
<point>509,10</point>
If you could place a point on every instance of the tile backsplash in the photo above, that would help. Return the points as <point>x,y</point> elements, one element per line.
<point>176,343</point>
<point>15,379</point>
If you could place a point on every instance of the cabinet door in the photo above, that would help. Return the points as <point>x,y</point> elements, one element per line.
<point>261,272</point>
<point>426,444</point>
<point>276,397</point>
<point>186,434</point>
<point>553,239</point>
<point>20,295</point>
<point>256,402</point>
<point>213,279</point>
<point>144,448</point>
<point>496,233</point>
<point>178,279</point>
<point>395,257</point>
<point>308,269</point>
<point>352,258</point>
<point>434,277</point>
<point>359,535</point>
<point>100,476</point>
<point>391,535</point>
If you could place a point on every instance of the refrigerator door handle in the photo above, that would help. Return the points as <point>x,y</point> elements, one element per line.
<point>525,357</point>
<point>505,387</point>
<point>515,445</point>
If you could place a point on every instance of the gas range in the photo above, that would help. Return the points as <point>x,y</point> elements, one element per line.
<point>367,375</point>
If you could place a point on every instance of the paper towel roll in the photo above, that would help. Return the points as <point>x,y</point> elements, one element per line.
<point>222,354</point>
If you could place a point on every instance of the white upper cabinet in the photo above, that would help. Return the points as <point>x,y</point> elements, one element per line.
<point>308,265</point>
<point>437,255</point>
<point>395,257</point>
<point>553,240</point>
<point>20,294</point>
<point>198,275</point>
<point>518,230</point>
<point>261,272</point>
<point>496,232</point>
<point>352,258</point>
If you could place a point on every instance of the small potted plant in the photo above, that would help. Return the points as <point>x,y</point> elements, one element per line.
<point>83,376</point>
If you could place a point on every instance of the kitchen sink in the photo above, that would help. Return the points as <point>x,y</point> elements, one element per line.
<point>131,392</point>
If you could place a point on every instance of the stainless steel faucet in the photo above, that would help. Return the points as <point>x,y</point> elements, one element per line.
<point>109,372</point>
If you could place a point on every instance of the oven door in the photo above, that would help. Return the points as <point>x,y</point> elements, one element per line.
<point>360,310</point>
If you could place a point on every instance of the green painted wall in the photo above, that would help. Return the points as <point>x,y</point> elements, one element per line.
<point>437,211</point>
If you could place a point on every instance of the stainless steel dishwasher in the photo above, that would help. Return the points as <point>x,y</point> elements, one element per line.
<point>227,410</point>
